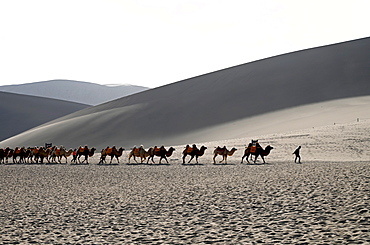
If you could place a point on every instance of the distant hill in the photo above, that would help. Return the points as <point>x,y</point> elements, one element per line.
<point>195,109</point>
<point>19,113</point>
<point>74,91</point>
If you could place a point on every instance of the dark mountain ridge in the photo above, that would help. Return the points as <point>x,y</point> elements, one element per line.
<point>74,91</point>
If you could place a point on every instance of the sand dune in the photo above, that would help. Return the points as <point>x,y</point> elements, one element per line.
<point>226,103</point>
<point>21,112</point>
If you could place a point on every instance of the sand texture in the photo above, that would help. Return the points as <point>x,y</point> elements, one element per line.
<point>287,203</point>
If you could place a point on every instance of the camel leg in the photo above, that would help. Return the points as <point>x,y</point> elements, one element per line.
<point>214,159</point>
<point>255,159</point>
<point>246,158</point>
<point>224,159</point>
<point>191,158</point>
<point>165,158</point>
<point>183,159</point>
<point>263,159</point>
<point>151,157</point>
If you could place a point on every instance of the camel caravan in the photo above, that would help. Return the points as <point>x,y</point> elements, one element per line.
<point>81,155</point>
<point>48,154</point>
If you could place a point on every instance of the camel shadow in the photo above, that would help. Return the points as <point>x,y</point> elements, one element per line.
<point>223,164</point>
<point>192,164</point>
<point>158,164</point>
<point>108,164</point>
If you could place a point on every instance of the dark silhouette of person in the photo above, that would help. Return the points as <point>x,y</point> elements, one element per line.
<point>297,155</point>
<point>74,154</point>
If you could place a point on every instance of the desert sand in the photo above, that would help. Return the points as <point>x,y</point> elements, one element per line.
<point>324,200</point>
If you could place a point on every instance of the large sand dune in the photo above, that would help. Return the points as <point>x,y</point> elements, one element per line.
<point>226,104</point>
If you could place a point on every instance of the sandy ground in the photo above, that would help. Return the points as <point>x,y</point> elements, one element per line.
<point>312,203</point>
<point>324,200</point>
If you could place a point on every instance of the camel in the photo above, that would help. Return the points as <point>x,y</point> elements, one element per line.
<point>112,152</point>
<point>256,150</point>
<point>193,152</point>
<point>59,153</point>
<point>65,154</point>
<point>138,152</point>
<point>223,152</point>
<point>4,154</point>
<point>9,155</point>
<point>85,151</point>
<point>18,152</point>
<point>27,155</point>
<point>160,152</point>
<point>43,153</point>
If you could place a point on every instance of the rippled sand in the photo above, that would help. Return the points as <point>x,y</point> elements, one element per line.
<point>311,203</point>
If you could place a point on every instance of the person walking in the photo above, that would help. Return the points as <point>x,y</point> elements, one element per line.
<point>74,154</point>
<point>297,155</point>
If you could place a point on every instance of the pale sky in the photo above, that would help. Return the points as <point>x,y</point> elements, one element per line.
<point>156,42</point>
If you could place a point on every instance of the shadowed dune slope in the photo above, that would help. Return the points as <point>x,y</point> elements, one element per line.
<point>75,91</point>
<point>165,114</point>
<point>22,112</point>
